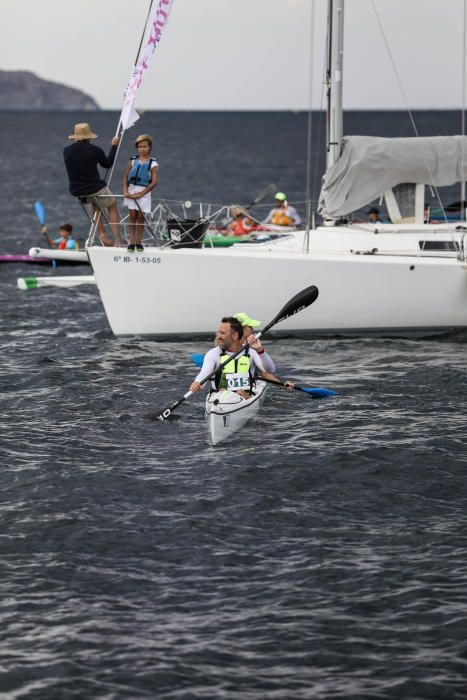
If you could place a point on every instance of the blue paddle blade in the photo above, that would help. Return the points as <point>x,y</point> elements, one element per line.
<point>40,213</point>
<point>319,393</point>
<point>197,359</point>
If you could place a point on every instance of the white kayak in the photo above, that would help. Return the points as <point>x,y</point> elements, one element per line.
<point>56,254</point>
<point>69,281</point>
<point>227,412</point>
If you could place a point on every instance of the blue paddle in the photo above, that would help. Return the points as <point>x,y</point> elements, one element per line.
<point>40,213</point>
<point>315,392</point>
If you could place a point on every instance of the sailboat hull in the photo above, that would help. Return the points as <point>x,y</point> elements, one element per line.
<point>182,292</point>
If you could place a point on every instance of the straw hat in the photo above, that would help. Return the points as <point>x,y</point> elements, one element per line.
<point>82,133</point>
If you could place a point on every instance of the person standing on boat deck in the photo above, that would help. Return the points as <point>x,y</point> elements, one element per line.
<point>81,161</point>
<point>282,214</point>
<point>241,371</point>
<point>249,324</point>
<point>140,178</point>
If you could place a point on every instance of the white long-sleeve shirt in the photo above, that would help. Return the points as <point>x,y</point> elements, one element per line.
<point>212,361</point>
<point>289,211</point>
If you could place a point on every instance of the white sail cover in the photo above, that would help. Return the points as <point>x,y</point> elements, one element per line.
<point>371,165</point>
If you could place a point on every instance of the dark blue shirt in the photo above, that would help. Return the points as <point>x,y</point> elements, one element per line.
<point>81,161</point>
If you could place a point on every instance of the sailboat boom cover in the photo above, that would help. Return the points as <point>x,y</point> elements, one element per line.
<point>369,166</point>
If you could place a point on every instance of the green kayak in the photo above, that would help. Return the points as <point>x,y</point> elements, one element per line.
<point>220,241</point>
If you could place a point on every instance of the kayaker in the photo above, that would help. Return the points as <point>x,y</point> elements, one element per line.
<point>139,179</point>
<point>65,240</point>
<point>282,214</point>
<point>85,182</point>
<point>239,374</point>
<point>249,324</point>
<point>242,224</point>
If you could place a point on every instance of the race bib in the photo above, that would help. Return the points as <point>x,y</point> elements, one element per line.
<point>237,380</point>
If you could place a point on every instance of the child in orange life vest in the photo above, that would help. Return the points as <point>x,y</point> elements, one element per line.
<point>242,223</point>
<point>140,178</point>
<point>65,240</point>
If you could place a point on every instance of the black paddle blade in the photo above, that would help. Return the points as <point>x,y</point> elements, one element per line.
<point>168,412</point>
<point>299,302</point>
<point>267,192</point>
<point>162,415</point>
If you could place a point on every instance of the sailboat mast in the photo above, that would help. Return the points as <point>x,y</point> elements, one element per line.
<point>334,68</point>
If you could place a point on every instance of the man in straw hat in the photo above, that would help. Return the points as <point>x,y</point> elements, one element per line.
<point>85,182</point>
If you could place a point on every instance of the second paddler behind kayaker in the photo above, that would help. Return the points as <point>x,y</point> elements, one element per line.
<point>239,374</point>
<point>249,325</point>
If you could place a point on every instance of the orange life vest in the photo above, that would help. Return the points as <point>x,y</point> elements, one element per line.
<point>240,228</point>
<point>63,242</point>
<point>280,218</point>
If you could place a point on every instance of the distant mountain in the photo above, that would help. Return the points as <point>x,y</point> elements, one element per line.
<point>24,90</point>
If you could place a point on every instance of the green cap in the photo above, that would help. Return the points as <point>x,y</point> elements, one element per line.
<point>280,196</point>
<point>245,320</point>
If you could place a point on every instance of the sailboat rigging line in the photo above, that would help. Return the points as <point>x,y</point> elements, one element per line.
<point>463,108</point>
<point>143,34</point>
<point>404,97</point>
<point>117,132</point>
<point>309,129</point>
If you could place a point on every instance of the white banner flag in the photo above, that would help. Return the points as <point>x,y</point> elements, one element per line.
<point>156,23</point>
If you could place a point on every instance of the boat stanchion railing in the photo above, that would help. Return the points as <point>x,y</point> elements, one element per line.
<point>101,226</point>
<point>116,231</point>
<point>462,249</point>
<point>171,223</point>
<point>178,230</point>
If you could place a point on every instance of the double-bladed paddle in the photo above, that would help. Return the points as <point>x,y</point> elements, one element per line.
<point>297,303</point>
<point>314,392</point>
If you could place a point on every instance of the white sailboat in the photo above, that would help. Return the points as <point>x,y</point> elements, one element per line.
<point>406,276</point>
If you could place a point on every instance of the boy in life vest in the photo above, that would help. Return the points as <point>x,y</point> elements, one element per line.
<point>65,241</point>
<point>282,214</point>
<point>140,178</point>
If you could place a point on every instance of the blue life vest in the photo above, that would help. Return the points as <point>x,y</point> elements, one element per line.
<point>140,173</point>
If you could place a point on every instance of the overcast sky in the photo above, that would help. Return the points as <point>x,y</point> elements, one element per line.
<point>241,54</point>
